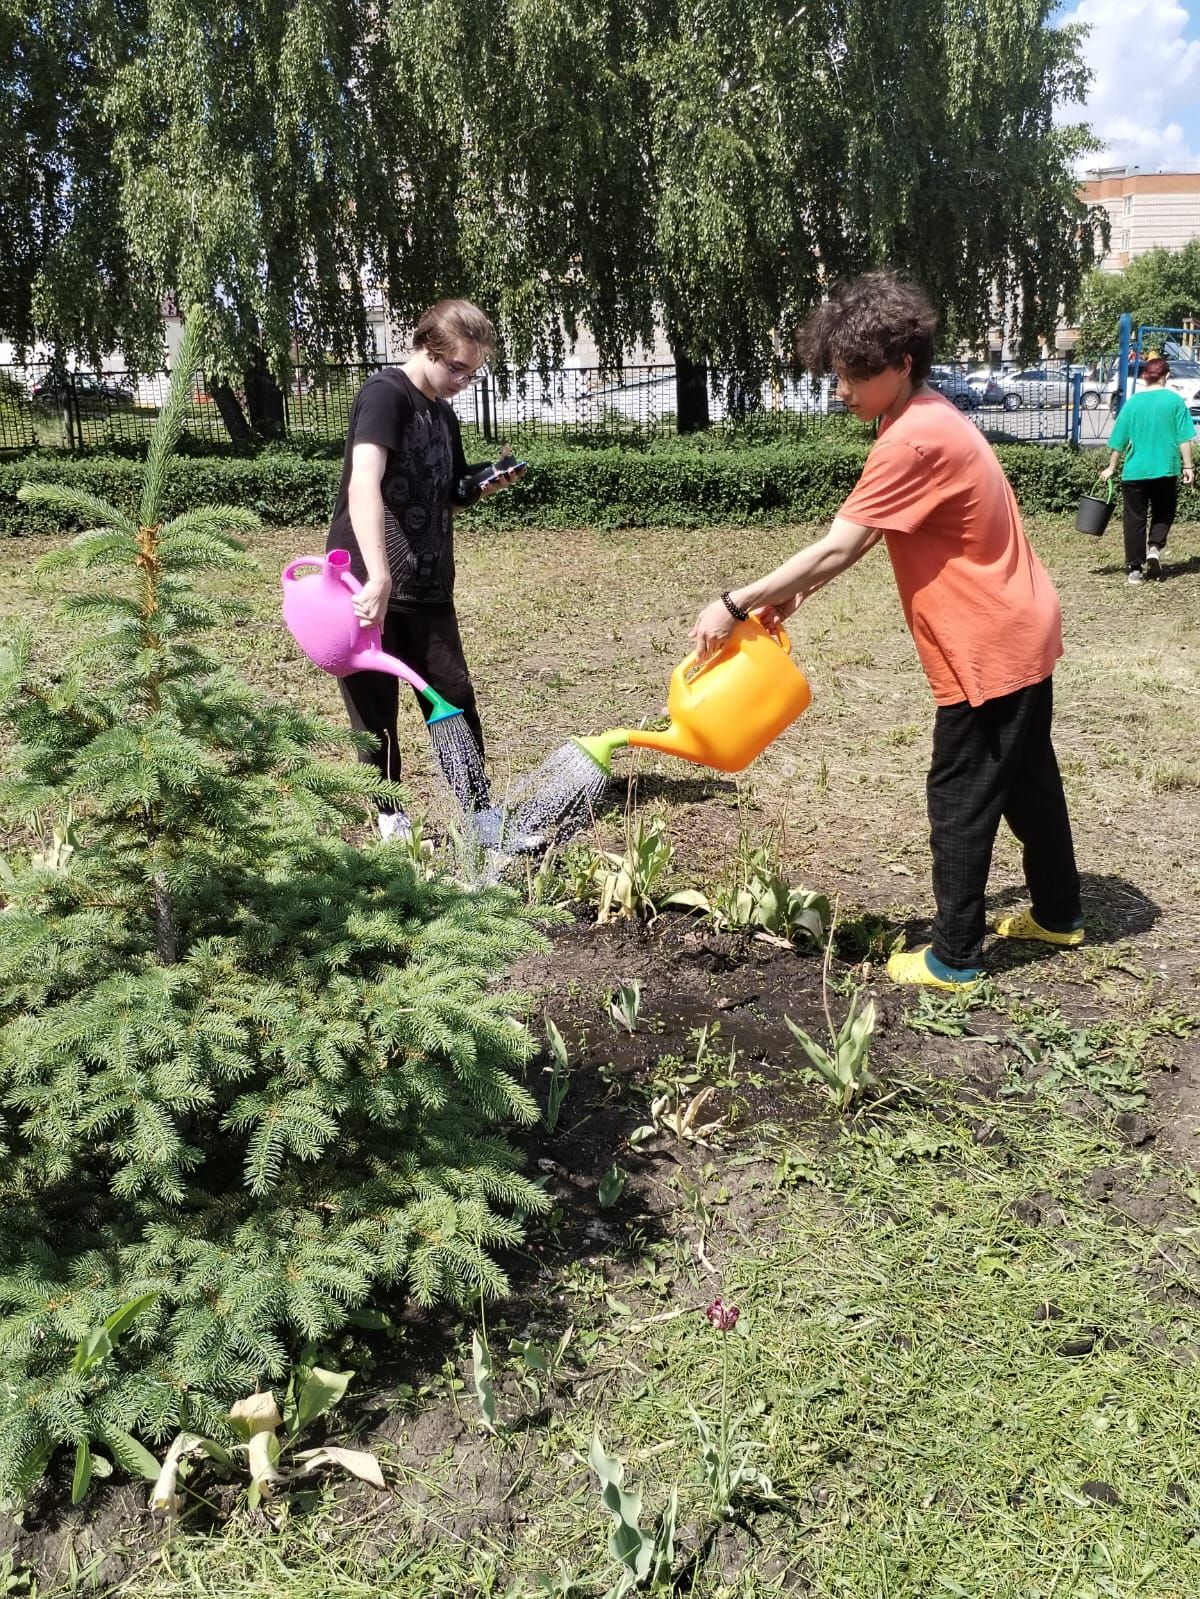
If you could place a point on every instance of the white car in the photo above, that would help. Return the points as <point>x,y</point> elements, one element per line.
<point>1184,381</point>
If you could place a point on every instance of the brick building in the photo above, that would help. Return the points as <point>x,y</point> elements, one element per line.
<point>1145,209</point>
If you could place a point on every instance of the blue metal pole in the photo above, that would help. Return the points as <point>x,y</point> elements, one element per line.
<point>1076,404</point>
<point>1125,327</point>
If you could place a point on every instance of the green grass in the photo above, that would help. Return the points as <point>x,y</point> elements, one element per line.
<point>895,1359</point>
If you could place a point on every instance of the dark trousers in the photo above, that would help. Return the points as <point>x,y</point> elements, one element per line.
<point>1155,497</point>
<point>425,637</point>
<point>991,761</point>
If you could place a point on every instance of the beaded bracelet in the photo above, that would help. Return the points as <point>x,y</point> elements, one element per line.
<point>734,610</point>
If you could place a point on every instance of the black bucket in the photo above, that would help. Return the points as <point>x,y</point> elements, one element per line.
<point>1095,510</point>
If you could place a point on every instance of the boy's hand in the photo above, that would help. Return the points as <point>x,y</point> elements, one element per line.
<point>504,478</point>
<point>773,617</point>
<point>713,627</point>
<point>1106,473</point>
<point>370,603</point>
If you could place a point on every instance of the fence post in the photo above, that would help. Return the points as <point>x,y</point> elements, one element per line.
<point>1126,331</point>
<point>1076,404</point>
<point>69,414</point>
<point>486,405</point>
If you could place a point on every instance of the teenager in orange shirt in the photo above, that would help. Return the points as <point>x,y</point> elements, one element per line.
<point>982,612</point>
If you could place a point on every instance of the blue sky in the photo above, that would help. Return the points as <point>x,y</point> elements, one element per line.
<point>1145,97</point>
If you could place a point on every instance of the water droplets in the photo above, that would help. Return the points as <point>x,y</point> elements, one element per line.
<point>556,799</point>
<point>541,808</point>
<point>461,761</point>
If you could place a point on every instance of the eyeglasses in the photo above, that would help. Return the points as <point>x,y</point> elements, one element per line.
<point>459,370</point>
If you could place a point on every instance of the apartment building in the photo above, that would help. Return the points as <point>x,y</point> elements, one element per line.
<point>1145,210</point>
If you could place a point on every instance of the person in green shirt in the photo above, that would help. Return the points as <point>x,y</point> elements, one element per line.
<point>1153,432</point>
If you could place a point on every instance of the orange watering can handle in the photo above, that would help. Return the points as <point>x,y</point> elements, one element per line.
<point>691,668</point>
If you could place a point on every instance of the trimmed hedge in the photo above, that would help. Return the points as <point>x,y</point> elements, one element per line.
<point>676,483</point>
<point>283,490</point>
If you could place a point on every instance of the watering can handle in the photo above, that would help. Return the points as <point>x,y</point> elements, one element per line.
<point>319,561</point>
<point>692,669</point>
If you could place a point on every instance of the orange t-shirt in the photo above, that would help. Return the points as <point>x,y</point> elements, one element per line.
<point>981,609</point>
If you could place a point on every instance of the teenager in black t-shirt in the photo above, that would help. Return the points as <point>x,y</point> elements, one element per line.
<point>403,477</point>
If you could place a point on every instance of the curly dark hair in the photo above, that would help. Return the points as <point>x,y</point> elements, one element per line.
<point>868,325</point>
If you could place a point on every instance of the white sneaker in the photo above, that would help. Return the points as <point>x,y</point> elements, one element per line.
<point>394,827</point>
<point>1135,576</point>
<point>1154,561</point>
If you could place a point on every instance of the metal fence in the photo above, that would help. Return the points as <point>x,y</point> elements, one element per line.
<point>80,411</point>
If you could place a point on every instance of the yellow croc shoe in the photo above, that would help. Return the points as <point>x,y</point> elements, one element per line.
<point>1022,925</point>
<point>922,966</point>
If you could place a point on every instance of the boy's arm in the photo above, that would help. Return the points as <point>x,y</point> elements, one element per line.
<point>799,576</point>
<point>367,466</point>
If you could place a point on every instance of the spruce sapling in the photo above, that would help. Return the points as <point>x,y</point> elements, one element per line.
<point>245,1068</point>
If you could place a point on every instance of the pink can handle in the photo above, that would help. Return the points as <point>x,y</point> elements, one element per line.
<point>339,567</point>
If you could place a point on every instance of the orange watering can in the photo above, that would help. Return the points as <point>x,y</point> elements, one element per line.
<point>726,710</point>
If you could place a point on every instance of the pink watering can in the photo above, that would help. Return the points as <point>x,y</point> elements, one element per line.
<point>320,615</point>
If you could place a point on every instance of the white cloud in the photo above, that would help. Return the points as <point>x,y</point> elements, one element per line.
<point>1145,84</point>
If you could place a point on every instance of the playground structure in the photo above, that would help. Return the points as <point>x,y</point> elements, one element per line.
<point>1134,346</point>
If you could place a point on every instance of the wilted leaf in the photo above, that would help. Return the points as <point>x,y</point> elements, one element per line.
<point>688,899</point>
<point>262,1453</point>
<point>254,1414</point>
<point>358,1462</point>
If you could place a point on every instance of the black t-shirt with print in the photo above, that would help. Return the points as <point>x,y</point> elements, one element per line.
<point>425,461</point>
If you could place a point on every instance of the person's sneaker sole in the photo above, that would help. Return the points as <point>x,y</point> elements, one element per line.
<point>1153,563</point>
<point>1022,925</point>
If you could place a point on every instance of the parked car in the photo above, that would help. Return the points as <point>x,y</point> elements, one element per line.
<point>948,380</point>
<point>1036,386</point>
<point>988,387</point>
<point>1097,384</point>
<point>84,385</point>
<point>1184,381</point>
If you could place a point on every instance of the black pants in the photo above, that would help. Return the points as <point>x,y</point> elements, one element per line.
<point>991,761</point>
<point>425,637</point>
<point>1156,496</point>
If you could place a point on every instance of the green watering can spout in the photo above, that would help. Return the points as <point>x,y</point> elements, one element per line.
<point>601,746</point>
<point>441,708</point>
